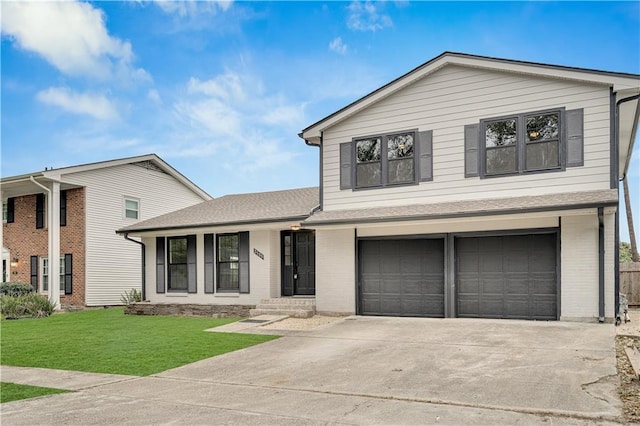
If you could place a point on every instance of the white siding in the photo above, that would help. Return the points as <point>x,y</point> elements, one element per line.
<point>448,100</point>
<point>112,263</point>
<point>335,271</point>
<point>264,273</point>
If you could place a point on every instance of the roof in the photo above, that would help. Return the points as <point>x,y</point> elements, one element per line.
<point>624,84</point>
<point>238,209</point>
<point>457,209</point>
<point>22,185</point>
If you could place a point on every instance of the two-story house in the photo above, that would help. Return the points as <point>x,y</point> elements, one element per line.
<point>468,187</point>
<point>71,214</point>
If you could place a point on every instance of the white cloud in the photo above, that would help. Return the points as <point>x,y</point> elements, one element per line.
<point>193,7</point>
<point>338,46</point>
<point>365,16</point>
<point>97,106</point>
<point>154,96</point>
<point>232,115</point>
<point>71,36</point>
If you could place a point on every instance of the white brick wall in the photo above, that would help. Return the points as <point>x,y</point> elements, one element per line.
<point>579,263</point>
<point>335,271</point>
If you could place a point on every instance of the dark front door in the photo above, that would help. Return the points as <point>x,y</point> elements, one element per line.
<point>298,263</point>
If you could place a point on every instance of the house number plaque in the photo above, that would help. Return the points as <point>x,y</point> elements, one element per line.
<point>258,253</point>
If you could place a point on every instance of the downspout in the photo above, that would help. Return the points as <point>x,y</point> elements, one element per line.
<point>320,168</point>
<point>144,265</point>
<point>616,266</point>
<point>601,264</point>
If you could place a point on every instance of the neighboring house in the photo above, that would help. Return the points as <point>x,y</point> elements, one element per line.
<point>71,214</point>
<point>468,187</point>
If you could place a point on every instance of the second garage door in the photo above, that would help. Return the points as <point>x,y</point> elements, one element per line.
<point>403,277</point>
<point>510,276</point>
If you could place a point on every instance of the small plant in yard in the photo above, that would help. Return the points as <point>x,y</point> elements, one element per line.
<point>30,305</point>
<point>130,297</point>
<point>15,289</point>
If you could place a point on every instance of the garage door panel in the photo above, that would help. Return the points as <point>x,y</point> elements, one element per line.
<point>516,276</point>
<point>409,280</point>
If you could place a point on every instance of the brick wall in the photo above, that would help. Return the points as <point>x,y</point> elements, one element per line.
<point>23,240</point>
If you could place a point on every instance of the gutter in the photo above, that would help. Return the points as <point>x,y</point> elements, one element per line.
<point>634,128</point>
<point>144,264</point>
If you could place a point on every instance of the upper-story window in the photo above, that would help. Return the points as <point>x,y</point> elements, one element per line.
<point>522,143</point>
<point>385,160</point>
<point>4,212</point>
<point>131,208</point>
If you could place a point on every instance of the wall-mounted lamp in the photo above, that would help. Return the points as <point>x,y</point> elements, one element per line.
<point>295,227</point>
<point>14,262</point>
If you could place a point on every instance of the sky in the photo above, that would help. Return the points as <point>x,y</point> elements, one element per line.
<point>220,90</point>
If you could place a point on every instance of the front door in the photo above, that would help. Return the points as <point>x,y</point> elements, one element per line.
<point>298,263</point>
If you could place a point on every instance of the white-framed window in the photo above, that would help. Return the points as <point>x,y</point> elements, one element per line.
<point>131,208</point>
<point>44,267</point>
<point>5,209</point>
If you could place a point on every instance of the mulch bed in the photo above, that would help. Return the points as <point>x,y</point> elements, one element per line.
<point>629,389</point>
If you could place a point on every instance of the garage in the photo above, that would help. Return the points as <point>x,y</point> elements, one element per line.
<point>509,276</point>
<point>401,277</point>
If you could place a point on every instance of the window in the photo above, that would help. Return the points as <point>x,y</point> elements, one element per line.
<point>385,160</point>
<point>4,212</point>
<point>131,208</point>
<point>522,143</point>
<point>45,273</point>
<point>178,272</point>
<point>228,262</point>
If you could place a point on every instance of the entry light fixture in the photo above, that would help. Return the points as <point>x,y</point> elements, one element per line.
<point>295,227</point>
<point>14,262</point>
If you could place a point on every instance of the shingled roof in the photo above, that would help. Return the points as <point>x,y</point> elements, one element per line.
<point>237,209</point>
<point>486,207</point>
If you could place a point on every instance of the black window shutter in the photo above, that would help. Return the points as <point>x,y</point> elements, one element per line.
<point>63,208</point>
<point>160,275</point>
<point>243,254</point>
<point>471,152</point>
<point>11,210</point>
<point>39,211</point>
<point>425,150</point>
<point>192,284</point>
<point>34,272</point>
<point>208,263</point>
<point>575,138</point>
<point>68,274</point>
<point>345,165</point>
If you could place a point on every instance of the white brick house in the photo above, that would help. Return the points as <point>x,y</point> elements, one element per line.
<point>468,187</point>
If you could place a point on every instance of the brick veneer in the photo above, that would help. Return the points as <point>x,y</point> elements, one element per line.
<point>23,240</point>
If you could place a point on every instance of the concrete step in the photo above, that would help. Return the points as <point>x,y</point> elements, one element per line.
<point>295,313</point>
<point>277,306</point>
<point>289,300</point>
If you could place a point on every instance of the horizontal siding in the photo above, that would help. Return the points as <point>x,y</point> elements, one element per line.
<point>448,100</point>
<point>113,264</point>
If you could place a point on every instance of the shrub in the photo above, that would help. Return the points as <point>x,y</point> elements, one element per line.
<point>130,297</point>
<point>15,289</point>
<point>30,305</point>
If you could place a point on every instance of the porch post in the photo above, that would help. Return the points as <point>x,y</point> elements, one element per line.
<point>53,221</point>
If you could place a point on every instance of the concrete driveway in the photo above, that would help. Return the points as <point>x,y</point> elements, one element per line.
<point>365,370</point>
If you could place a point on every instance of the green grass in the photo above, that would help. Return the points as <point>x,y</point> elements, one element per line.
<point>13,392</point>
<point>107,341</point>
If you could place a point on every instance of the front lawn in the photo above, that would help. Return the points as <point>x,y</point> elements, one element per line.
<point>13,392</point>
<point>107,341</point>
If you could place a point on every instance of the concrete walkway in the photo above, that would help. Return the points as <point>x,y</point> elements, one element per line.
<point>363,370</point>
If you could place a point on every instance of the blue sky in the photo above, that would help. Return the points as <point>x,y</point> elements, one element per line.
<point>220,90</point>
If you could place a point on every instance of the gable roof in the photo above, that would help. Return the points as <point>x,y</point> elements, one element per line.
<point>237,209</point>
<point>22,184</point>
<point>624,84</point>
<point>619,82</point>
